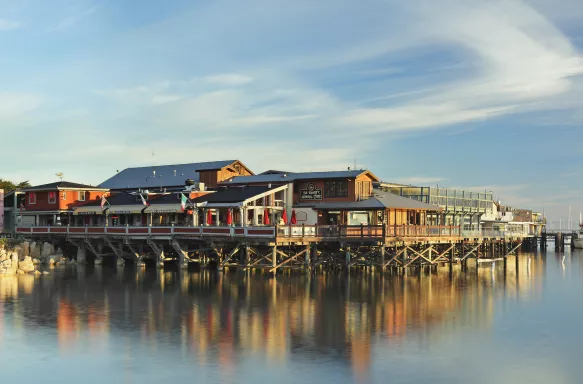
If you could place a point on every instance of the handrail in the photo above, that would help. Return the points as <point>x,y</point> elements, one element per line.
<point>279,231</point>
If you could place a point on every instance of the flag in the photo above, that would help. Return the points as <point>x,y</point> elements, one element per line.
<point>103,202</point>
<point>144,201</point>
<point>183,201</point>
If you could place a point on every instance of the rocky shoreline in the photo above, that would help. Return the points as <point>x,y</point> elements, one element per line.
<point>29,258</point>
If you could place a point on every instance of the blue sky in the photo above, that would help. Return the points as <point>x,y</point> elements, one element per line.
<point>474,94</point>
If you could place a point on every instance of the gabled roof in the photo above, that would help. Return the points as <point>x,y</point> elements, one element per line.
<point>294,176</point>
<point>157,176</point>
<point>61,185</point>
<point>232,194</point>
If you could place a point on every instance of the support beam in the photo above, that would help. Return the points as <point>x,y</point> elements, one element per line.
<point>289,259</point>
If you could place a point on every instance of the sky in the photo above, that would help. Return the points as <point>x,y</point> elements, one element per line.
<point>474,94</point>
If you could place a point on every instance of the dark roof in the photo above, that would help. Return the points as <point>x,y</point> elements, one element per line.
<point>60,185</point>
<point>232,194</point>
<point>117,199</point>
<point>379,201</point>
<point>172,198</point>
<point>290,177</point>
<point>143,177</point>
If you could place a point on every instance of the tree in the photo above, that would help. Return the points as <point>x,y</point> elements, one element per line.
<point>8,185</point>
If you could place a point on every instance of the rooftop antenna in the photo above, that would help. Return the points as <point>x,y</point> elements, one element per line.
<point>60,176</point>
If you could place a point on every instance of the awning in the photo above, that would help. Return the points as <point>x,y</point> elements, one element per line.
<point>164,208</point>
<point>91,210</point>
<point>125,209</point>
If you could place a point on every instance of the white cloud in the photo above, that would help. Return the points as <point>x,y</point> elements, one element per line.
<point>7,25</point>
<point>228,79</point>
<point>74,18</point>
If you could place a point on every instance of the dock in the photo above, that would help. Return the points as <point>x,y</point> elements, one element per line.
<point>287,247</point>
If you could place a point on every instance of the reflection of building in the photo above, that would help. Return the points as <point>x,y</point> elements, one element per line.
<point>217,317</point>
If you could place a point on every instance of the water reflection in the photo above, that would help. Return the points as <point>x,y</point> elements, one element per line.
<point>222,318</point>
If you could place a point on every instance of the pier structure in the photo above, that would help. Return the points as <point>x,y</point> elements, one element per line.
<point>276,248</point>
<point>221,215</point>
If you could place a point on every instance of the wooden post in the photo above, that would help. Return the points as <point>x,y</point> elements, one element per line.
<point>383,250</point>
<point>307,258</point>
<point>274,259</point>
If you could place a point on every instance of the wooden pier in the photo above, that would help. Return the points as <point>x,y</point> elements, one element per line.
<point>276,248</point>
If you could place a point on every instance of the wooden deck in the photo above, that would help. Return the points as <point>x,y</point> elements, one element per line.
<point>281,235</point>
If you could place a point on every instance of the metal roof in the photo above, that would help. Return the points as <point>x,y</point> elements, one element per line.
<point>379,201</point>
<point>59,185</point>
<point>232,194</point>
<point>160,176</point>
<point>290,177</point>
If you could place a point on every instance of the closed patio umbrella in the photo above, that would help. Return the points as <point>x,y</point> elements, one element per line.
<point>266,217</point>
<point>230,217</point>
<point>293,220</point>
<point>209,217</point>
<point>284,216</point>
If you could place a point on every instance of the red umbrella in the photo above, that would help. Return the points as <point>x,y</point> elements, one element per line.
<point>293,220</point>
<point>266,217</point>
<point>209,217</point>
<point>284,216</point>
<point>230,217</point>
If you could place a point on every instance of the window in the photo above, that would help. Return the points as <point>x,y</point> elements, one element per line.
<point>338,188</point>
<point>52,197</point>
<point>81,195</point>
<point>31,197</point>
<point>64,195</point>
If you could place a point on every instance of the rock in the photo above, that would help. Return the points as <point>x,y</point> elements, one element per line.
<point>60,263</point>
<point>98,261</point>
<point>35,251</point>
<point>36,261</point>
<point>14,260</point>
<point>36,273</point>
<point>81,256</point>
<point>53,259</point>
<point>45,273</point>
<point>19,272</point>
<point>120,262</point>
<point>26,264</point>
<point>46,251</point>
<point>72,262</point>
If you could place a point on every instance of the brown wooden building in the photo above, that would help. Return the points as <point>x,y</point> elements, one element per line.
<point>174,177</point>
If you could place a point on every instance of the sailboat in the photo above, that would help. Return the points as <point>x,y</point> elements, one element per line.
<point>578,242</point>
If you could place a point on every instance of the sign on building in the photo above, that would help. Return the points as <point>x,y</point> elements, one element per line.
<point>311,193</point>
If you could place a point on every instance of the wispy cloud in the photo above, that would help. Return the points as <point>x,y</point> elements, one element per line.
<point>69,21</point>
<point>228,79</point>
<point>7,25</point>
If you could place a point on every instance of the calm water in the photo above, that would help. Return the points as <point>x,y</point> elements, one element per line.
<point>108,325</point>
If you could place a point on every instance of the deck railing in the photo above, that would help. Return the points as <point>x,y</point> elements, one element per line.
<point>373,232</point>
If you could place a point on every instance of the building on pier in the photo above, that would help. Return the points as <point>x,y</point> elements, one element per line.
<point>504,218</point>
<point>459,207</point>
<point>171,177</point>
<point>306,190</point>
<point>54,203</point>
<point>13,203</point>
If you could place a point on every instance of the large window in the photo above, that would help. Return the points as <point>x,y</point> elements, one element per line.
<point>337,188</point>
<point>31,197</point>
<point>52,197</point>
<point>81,195</point>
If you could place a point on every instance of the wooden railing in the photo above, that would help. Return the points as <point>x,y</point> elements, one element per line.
<point>324,232</point>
